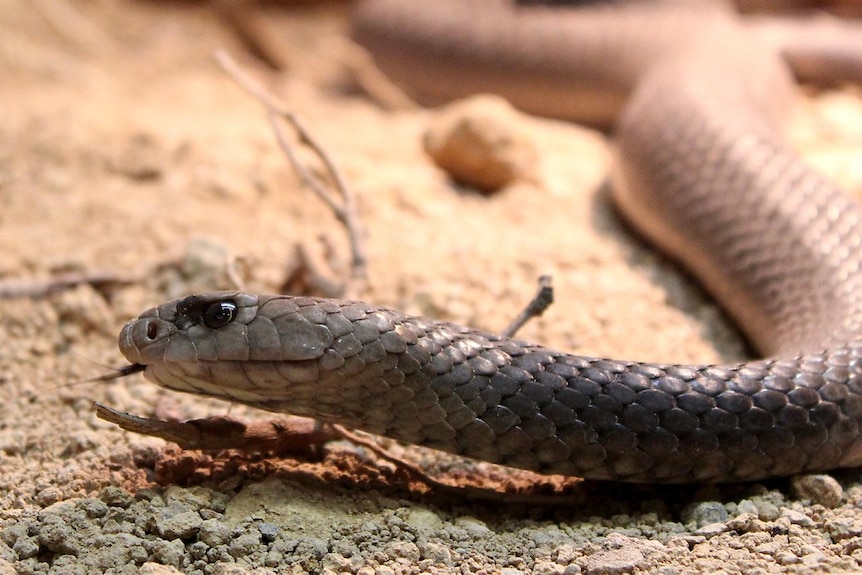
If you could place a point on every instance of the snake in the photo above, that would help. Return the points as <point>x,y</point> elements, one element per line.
<point>701,169</point>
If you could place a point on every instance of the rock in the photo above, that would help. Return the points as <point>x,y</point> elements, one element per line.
<point>822,489</point>
<point>180,526</point>
<point>619,555</point>
<point>704,513</point>
<point>480,142</point>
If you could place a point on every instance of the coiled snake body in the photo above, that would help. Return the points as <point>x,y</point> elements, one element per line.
<point>701,171</point>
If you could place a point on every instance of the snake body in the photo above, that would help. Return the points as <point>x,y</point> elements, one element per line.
<point>700,169</point>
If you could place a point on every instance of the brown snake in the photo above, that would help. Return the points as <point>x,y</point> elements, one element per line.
<point>700,169</point>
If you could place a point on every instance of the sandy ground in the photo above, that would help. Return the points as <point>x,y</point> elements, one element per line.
<point>124,149</point>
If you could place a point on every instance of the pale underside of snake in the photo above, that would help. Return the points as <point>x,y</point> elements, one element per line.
<point>700,169</point>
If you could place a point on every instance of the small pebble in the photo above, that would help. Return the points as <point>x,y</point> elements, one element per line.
<point>423,520</point>
<point>822,489</point>
<point>402,550</point>
<point>711,529</point>
<point>479,143</point>
<point>179,526</point>
<point>797,517</point>
<point>436,553</point>
<point>706,513</point>
<point>613,561</point>
<point>116,497</point>
<point>157,569</point>
<point>268,531</point>
<point>214,532</point>
<point>49,496</point>
<point>93,507</point>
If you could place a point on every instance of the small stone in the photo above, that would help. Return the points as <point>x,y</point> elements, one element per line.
<point>711,529</point>
<point>273,559</point>
<point>245,543</point>
<point>822,489</point>
<point>478,142</point>
<point>746,506</point>
<point>93,507</point>
<point>436,553</point>
<point>797,517</point>
<point>6,553</point>
<point>195,498</point>
<point>619,554</point>
<point>745,523</point>
<point>474,527</point>
<point>403,550</point>
<point>336,562</point>
<point>157,569</point>
<point>767,511</point>
<point>179,526</point>
<point>787,558</point>
<point>423,520</point>
<point>25,547</point>
<point>230,569</point>
<point>49,496</point>
<point>705,513</point>
<point>14,532</point>
<point>548,568</point>
<point>613,561</point>
<point>169,552</point>
<point>116,497</point>
<point>198,550</point>
<point>268,531</point>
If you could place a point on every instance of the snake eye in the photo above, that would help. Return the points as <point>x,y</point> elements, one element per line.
<point>219,314</point>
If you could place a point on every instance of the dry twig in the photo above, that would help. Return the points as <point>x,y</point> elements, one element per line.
<point>544,297</point>
<point>342,202</point>
<point>254,30</point>
<point>215,433</point>
<point>41,288</point>
<point>370,79</point>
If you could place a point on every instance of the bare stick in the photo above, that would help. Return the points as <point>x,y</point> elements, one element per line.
<point>370,78</point>
<point>215,433</point>
<point>544,297</point>
<point>342,203</point>
<point>254,30</point>
<point>41,288</point>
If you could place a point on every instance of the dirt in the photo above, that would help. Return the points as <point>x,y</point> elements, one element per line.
<point>124,149</point>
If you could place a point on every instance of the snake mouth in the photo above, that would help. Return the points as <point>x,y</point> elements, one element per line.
<point>121,372</point>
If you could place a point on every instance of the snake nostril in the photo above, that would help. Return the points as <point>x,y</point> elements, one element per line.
<point>152,330</point>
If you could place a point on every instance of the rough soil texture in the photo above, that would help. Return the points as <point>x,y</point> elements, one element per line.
<point>124,149</point>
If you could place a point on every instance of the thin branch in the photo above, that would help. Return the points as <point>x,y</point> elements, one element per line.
<point>544,297</point>
<point>217,433</point>
<point>41,288</point>
<point>252,28</point>
<point>343,203</point>
<point>370,79</point>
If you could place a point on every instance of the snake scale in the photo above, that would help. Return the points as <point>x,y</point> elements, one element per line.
<point>700,169</point>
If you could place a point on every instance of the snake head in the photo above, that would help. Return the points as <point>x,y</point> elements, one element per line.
<point>258,349</point>
<point>226,326</point>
